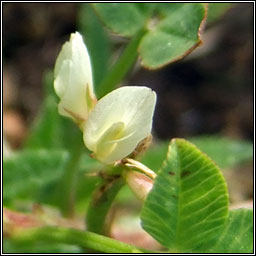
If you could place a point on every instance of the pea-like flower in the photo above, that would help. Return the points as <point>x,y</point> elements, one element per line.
<point>73,80</point>
<point>115,125</point>
<point>118,122</point>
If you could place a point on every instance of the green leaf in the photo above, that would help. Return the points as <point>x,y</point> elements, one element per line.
<point>224,151</point>
<point>173,37</point>
<point>97,43</point>
<point>26,173</point>
<point>125,19</point>
<point>173,29</point>
<point>188,204</point>
<point>35,175</point>
<point>237,236</point>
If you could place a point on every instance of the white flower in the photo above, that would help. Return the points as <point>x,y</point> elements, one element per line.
<point>73,80</point>
<point>118,122</point>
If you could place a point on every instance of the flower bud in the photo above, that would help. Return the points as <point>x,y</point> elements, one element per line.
<point>139,183</point>
<point>119,121</point>
<point>73,80</point>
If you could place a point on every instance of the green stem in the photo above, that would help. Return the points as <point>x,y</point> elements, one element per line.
<point>100,204</point>
<point>122,66</point>
<point>67,187</point>
<point>81,238</point>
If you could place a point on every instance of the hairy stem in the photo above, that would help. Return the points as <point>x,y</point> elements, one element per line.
<point>101,202</point>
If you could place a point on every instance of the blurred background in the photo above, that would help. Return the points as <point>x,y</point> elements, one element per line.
<point>209,92</point>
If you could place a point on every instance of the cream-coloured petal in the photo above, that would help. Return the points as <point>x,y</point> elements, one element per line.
<point>73,79</point>
<point>106,142</point>
<point>134,107</point>
<point>65,54</point>
<point>62,79</point>
<point>73,103</point>
<point>81,61</point>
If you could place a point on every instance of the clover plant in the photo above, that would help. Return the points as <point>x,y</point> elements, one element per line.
<point>92,138</point>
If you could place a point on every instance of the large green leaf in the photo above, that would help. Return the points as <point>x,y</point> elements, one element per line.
<point>125,19</point>
<point>224,151</point>
<point>189,201</point>
<point>173,37</point>
<point>27,172</point>
<point>173,29</point>
<point>237,236</point>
